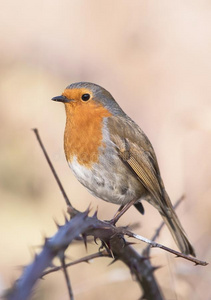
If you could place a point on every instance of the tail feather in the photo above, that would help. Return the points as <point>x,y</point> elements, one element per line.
<point>178,233</point>
<point>171,220</point>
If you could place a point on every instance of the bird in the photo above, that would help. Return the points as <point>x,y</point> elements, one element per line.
<point>112,157</point>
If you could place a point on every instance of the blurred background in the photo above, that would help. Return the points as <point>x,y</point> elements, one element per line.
<point>155,59</point>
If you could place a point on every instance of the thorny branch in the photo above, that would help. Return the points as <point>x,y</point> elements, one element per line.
<point>109,234</point>
<point>79,227</point>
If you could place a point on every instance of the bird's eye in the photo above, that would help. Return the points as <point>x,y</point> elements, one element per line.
<point>85,97</point>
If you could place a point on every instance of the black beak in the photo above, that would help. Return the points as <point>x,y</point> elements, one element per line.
<point>61,99</point>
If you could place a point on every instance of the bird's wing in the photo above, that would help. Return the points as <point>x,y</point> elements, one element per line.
<point>137,153</point>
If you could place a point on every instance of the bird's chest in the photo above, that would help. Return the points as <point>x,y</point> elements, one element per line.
<point>83,136</point>
<point>91,158</point>
<point>85,146</point>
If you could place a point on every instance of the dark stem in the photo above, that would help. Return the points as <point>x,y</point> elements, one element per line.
<point>67,279</point>
<point>75,262</point>
<point>52,167</point>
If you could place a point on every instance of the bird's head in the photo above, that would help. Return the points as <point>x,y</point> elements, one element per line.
<point>86,96</point>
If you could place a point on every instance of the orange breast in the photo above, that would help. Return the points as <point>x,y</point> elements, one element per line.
<point>83,132</point>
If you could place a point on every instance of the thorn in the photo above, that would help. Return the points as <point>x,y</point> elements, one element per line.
<point>45,241</point>
<point>85,240</point>
<point>86,212</point>
<point>113,261</point>
<point>95,213</point>
<point>95,240</point>
<point>153,269</point>
<point>65,218</point>
<point>57,224</point>
<point>88,261</point>
<point>129,243</point>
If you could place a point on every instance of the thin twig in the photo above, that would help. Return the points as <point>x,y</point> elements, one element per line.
<point>158,230</point>
<point>52,167</point>
<point>75,262</point>
<point>157,245</point>
<point>67,279</point>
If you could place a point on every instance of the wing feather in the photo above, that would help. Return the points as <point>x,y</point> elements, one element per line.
<point>137,153</point>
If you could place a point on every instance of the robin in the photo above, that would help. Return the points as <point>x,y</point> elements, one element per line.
<point>112,157</point>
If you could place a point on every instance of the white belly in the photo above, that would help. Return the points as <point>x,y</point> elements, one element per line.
<point>103,183</point>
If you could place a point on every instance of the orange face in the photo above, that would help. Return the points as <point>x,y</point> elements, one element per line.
<point>77,94</point>
<point>83,132</point>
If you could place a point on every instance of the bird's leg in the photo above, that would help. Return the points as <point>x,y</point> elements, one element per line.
<point>122,209</point>
<point>118,211</point>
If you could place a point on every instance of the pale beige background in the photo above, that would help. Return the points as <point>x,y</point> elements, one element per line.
<point>154,57</point>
